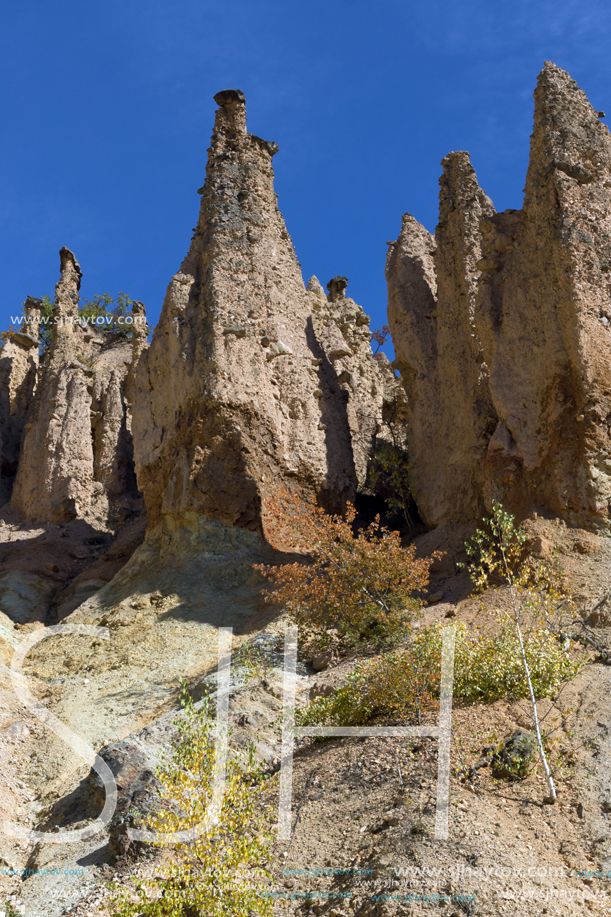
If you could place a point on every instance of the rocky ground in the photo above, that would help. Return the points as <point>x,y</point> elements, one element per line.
<point>363,809</point>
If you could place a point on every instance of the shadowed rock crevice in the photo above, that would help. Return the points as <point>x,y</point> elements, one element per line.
<point>18,377</point>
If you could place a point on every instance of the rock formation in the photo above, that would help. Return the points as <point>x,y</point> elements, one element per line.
<point>501,331</point>
<point>18,373</point>
<point>368,387</point>
<point>250,381</point>
<point>500,327</point>
<point>544,316</point>
<point>76,452</point>
<point>432,292</point>
<point>244,386</point>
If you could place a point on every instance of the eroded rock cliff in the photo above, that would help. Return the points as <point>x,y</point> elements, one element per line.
<point>543,315</point>
<point>501,330</point>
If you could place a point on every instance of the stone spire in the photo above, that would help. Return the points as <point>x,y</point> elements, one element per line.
<point>75,448</point>
<point>55,475</point>
<point>139,330</point>
<point>544,314</point>
<point>509,377</point>
<point>432,288</point>
<point>139,335</point>
<point>33,310</point>
<point>68,286</point>
<point>235,396</point>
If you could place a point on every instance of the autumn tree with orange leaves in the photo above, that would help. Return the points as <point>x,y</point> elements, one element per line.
<point>363,584</point>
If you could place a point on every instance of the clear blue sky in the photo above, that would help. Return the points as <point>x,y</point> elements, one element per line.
<point>107,112</point>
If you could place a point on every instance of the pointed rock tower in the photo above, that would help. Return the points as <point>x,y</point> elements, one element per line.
<point>236,395</point>
<point>512,401</point>
<point>432,292</point>
<point>544,314</point>
<point>76,449</point>
<point>55,471</point>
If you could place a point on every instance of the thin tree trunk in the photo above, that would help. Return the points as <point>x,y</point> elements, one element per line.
<point>516,617</point>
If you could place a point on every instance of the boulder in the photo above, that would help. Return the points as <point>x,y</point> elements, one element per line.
<point>515,756</point>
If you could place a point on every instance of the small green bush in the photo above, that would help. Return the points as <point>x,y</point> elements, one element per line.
<point>220,873</point>
<point>111,310</point>
<point>9,911</point>
<point>404,683</point>
<point>101,306</point>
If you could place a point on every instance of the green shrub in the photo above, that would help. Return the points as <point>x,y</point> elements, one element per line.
<point>403,683</point>
<point>221,872</point>
<point>101,306</point>
<point>531,600</point>
<point>9,910</point>
<point>389,477</point>
<point>111,310</point>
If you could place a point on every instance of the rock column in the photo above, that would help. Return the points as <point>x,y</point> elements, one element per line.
<point>505,346</point>
<point>544,313</point>
<point>432,288</point>
<point>231,399</point>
